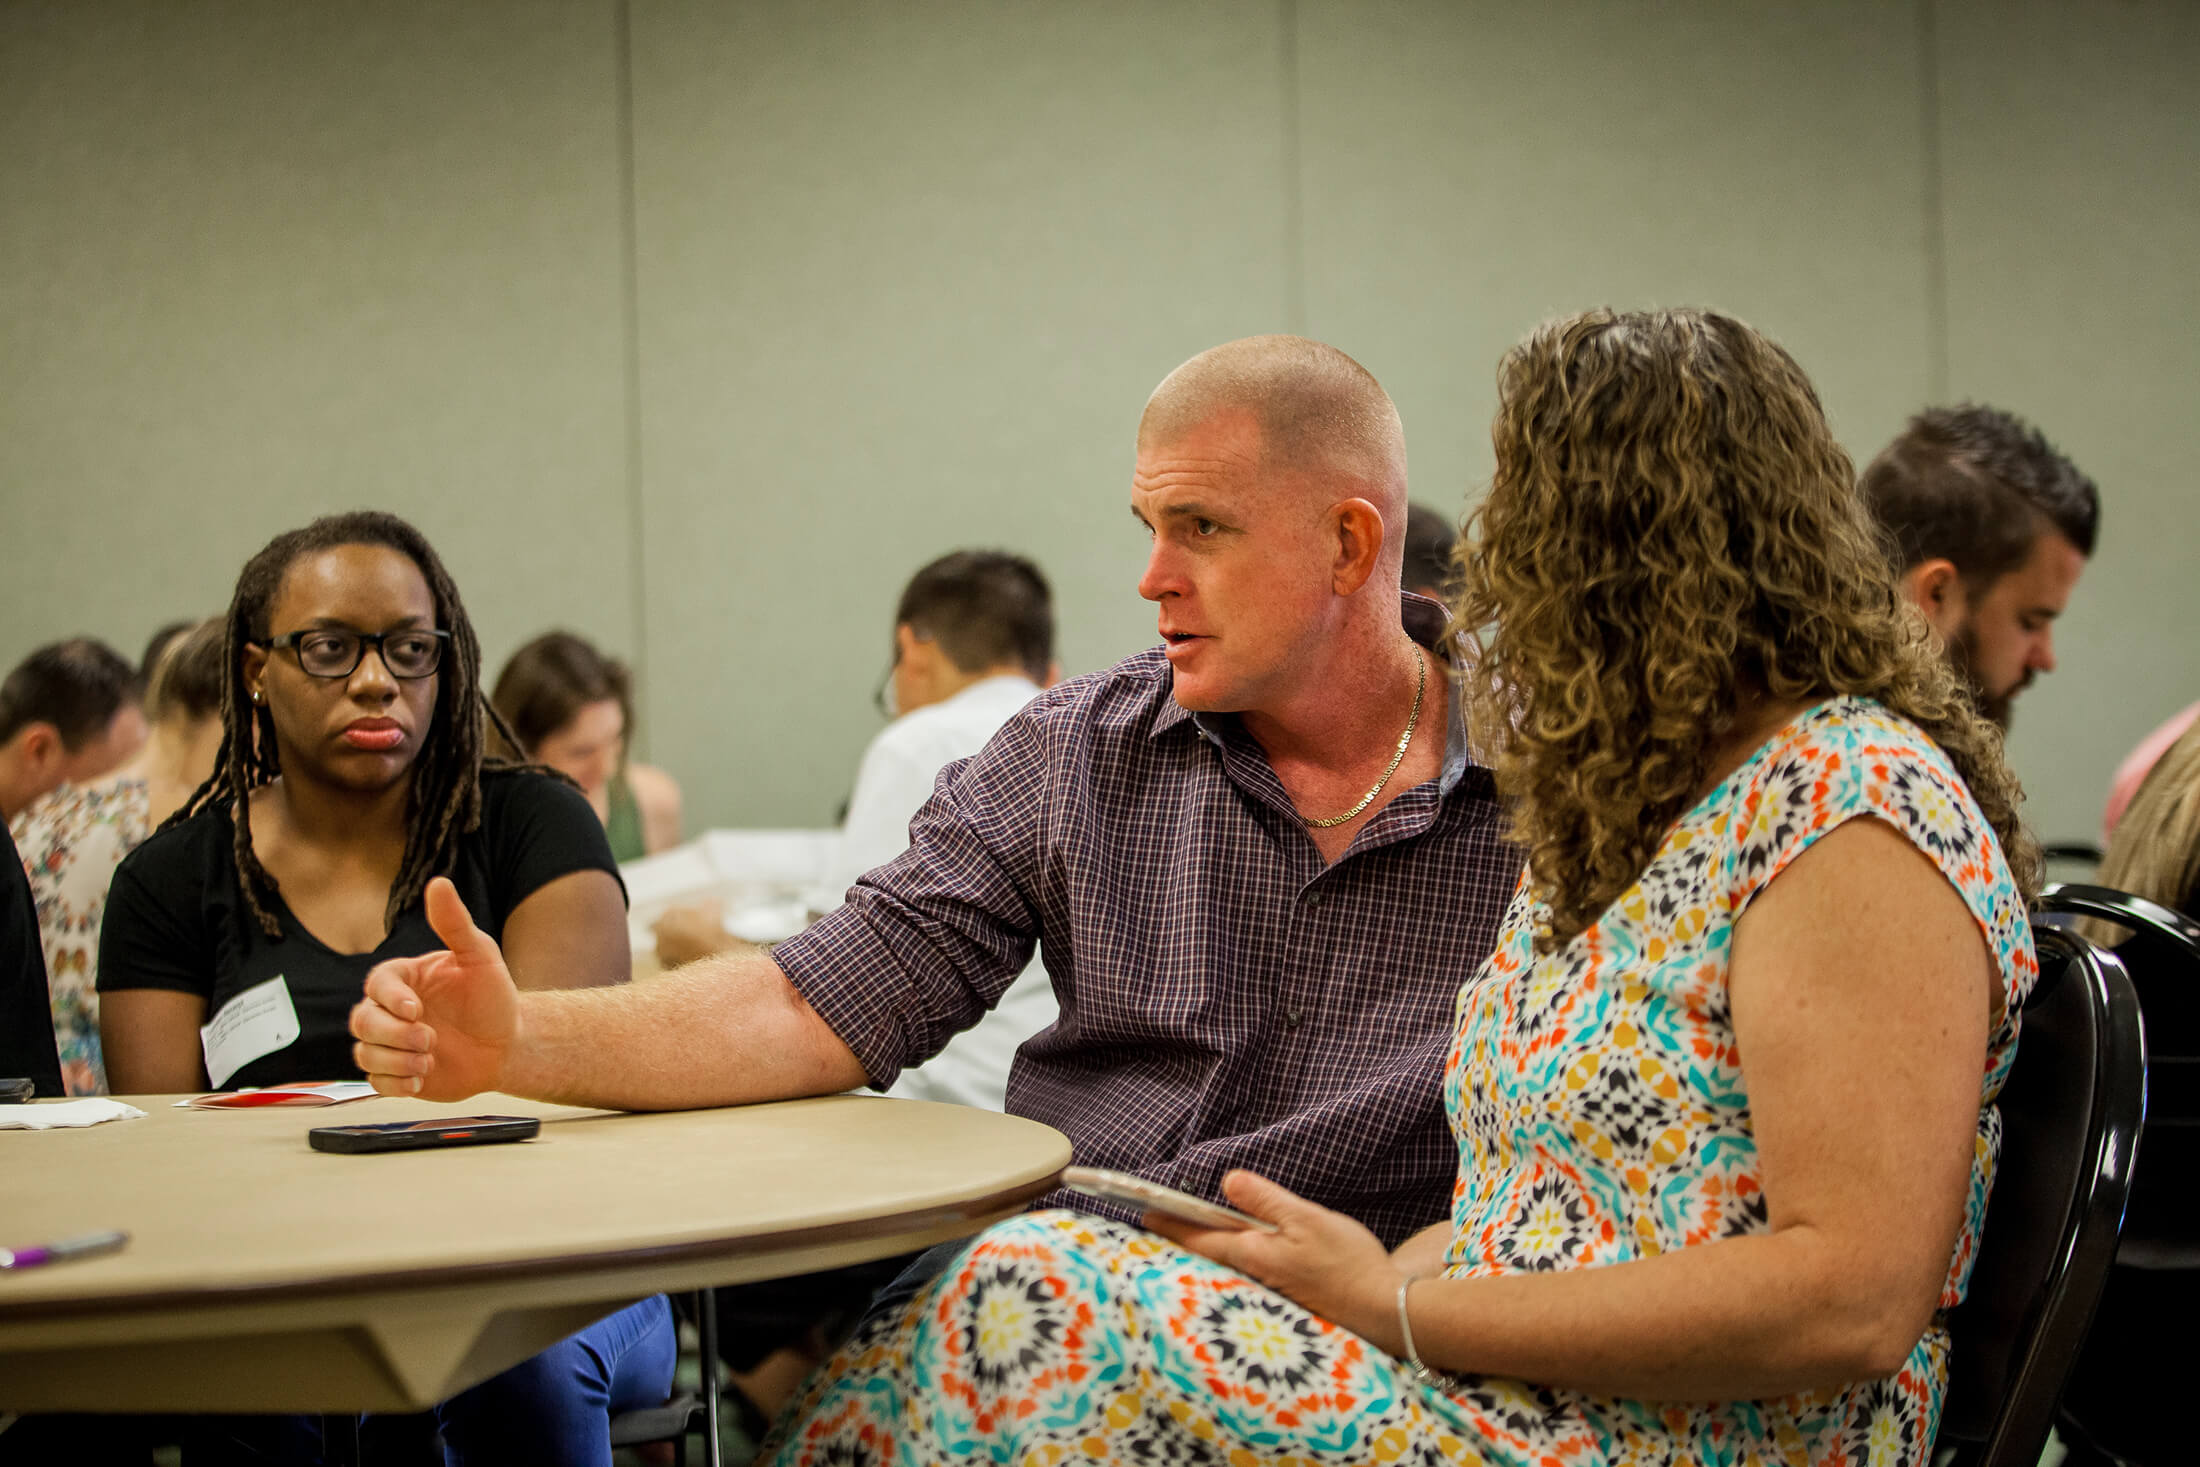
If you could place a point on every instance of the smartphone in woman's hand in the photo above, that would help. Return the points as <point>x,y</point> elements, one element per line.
<point>1123,1187</point>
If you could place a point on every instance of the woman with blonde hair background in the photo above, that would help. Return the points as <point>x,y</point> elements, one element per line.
<point>2155,851</point>
<point>1724,1091</point>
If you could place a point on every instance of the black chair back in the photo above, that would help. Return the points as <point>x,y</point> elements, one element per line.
<point>2125,1397</point>
<point>2071,1113</point>
<point>2162,954</point>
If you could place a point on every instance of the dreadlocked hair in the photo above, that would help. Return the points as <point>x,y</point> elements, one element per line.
<point>444,801</point>
<point>1672,528</point>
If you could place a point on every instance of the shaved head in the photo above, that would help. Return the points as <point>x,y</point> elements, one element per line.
<point>1319,413</point>
<point>1271,475</point>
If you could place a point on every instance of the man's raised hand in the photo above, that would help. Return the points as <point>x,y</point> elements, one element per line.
<point>439,1026</point>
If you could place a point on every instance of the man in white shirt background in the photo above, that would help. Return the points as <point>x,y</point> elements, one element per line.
<point>973,643</point>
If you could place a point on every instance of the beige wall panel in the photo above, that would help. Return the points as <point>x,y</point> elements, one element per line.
<point>261,261</point>
<point>2072,142</point>
<point>1472,169</point>
<point>907,275</point>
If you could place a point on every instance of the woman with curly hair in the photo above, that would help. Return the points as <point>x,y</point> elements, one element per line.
<point>1724,1093</point>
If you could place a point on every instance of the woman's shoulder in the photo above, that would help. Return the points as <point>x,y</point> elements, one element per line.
<point>654,790</point>
<point>535,827</point>
<point>1855,757</point>
<point>1852,756</point>
<point>204,840</point>
<point>44,832</point>
<point>508,789</point>
<point>74,808</point>
<point>657,796</point>
<point>524,804</point>
<point>1849,746</point>
<point>1854,716</point>
<point>182,870</point>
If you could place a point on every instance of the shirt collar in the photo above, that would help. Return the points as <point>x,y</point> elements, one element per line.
<point>987,687</point>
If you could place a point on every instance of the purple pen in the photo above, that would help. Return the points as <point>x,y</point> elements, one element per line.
<point>89,1246</point>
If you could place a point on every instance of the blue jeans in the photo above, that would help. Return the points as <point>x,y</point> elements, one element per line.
<point>552,1411</point>
<point>555,1410</point>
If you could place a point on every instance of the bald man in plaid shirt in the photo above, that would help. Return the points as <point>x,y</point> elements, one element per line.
<point>1260,857</point>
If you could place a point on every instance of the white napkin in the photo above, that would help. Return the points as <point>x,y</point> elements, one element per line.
<point>89,1111</point>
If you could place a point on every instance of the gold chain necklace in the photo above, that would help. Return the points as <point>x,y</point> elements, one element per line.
<point>1396,759</point>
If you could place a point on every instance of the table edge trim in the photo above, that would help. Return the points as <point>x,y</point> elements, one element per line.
<point>1006,1200</point>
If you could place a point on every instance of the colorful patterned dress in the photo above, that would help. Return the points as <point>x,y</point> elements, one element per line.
<point>1602,1115</point>
<point>71,841</point>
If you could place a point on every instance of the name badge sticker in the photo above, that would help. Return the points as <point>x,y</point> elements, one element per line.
<point>258,1021</point>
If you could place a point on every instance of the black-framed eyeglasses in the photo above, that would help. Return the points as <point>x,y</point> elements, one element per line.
<point>412,652</point>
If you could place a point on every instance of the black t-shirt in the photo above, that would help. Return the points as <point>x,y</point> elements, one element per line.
<point>176,917</point>
<point>26,1018</point>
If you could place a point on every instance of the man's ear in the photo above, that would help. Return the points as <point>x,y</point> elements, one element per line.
<point>38,744</point>
<point>1935,587</point>
<point>1359,530</point>
<point>919,659</point>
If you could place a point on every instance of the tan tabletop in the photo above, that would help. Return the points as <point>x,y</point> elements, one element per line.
<point>263,1275</point>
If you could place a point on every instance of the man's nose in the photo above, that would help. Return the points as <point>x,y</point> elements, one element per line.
<point>1160,577</point>
<point>2043,652</point>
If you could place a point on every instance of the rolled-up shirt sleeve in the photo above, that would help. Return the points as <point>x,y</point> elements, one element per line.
<point>929,942</point>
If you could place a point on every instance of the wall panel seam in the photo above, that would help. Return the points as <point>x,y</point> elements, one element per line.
<point>631,344</point>
<point>1935,203</point>
<point>1294,179</point>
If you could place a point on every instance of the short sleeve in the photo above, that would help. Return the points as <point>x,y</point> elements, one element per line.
<point>154,932</point>
<point>536,828</point>
<point>1861,760</point>
<point>927,943</point>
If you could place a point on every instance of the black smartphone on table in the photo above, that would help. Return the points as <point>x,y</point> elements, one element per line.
<point>14,1090</point>
<point>422,1135</point>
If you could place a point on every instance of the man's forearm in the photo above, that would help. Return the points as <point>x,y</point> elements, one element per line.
<point>725,1031</point>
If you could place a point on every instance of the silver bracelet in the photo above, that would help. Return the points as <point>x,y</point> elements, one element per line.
<point>1421,1372</point>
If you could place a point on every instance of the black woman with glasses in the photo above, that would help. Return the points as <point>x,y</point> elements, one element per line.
<point>352,770</point>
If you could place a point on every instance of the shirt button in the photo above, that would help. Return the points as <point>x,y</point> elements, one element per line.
<point>1291,1018</point>
<point>1313,899</point>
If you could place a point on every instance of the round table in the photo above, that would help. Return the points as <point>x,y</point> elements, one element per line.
<point>262,1275</point>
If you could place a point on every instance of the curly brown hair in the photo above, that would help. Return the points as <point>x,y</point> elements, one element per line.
<point>1671,531</point>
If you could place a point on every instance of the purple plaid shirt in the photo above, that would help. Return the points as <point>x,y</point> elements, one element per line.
<point>1226,999</point>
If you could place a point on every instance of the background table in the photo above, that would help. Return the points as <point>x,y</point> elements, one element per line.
<point>263,1275</point>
